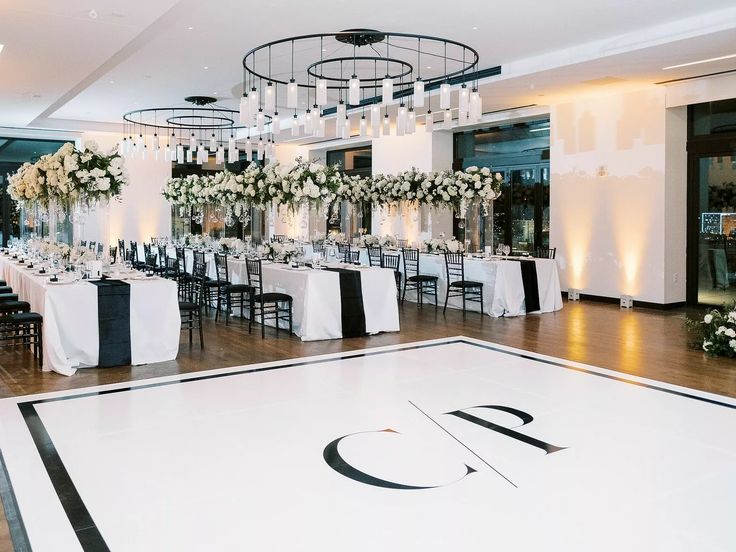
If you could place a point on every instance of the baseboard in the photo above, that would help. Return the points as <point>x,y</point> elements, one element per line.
<point>637,303</point>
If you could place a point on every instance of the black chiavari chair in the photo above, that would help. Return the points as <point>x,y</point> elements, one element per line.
<point>100,249</point>
<point>423,284</point>
<point>280,238</point>
<point>21,327</point>
<point>342,248</point>
<point>92,245</point>
<point>351,256</point>
<point>402,244</point>
<point>392,261</point>
<point>374,255</point>
<point>457,285</point>
<point>318,246</point>
<point>113,254</point>
<point>545,252</point>
<point>83,243</point>
<point>269,306</point>
<point>191,310</point>
<point>233,295</point>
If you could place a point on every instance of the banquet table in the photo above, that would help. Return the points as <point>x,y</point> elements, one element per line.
<point>71,331</point>
<point>503,286</point>
<point>317,306</point>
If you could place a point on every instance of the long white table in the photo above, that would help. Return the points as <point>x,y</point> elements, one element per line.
<point>70,321</point>
<point>503,290</point>
<point>317,309</point>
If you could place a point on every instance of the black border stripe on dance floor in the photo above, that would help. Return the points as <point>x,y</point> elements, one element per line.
<point>81,520</point>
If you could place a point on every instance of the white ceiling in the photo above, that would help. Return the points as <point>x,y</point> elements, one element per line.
<point>62,68</point>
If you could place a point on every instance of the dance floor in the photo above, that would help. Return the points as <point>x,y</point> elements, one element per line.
<point>454,444</point>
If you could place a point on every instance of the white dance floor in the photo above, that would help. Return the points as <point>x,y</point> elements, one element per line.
<point>445,445</point>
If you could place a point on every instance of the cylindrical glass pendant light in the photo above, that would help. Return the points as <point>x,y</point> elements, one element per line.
<point>261,149</point>
<point>411,121</point>
<point>276,124</point>
<point>386,125</point>
<point>295,126</point>
<point>464,99</point>
<point>253,100</point>
<point>387,88</point>
<point>213,142</point>
<point>401,121</point>
<point>248,150</point>
<point>180,154</point>
<point>320,92</point>
<point>341,111</point>
<point>448,119</point>
<point>419,93</point>
<point>354,91</point>
<point>155,141</point>
<point>192,142</point>
<point>190,155</point>
<point>375,121</point>
<point>476,106</point>
<point>308,126</point>
<point>292,94</point>
<point>244,109</point>
<point>321,127</point>
<point>232,155</point>
<point>270,99</point>
<point>429,121</point>
<point>445,96</point>
<point>363,126</point>
<point>167,153</point>
<point>346,128</point>
<point>260,120</point>
<point>144,151</point>
<point>462,118</point>
<point>231,142</point>
<point>157,154</point>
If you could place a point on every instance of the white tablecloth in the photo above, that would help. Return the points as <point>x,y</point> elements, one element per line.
<point>70,326</point>
<point>503,290</point>
<point>317,310</point>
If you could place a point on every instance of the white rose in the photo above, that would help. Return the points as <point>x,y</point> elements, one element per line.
<point>708,318</point>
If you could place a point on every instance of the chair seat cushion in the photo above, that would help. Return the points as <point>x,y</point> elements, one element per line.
<point>466,284</point>
<point>272,297</point>
<point>8,297</point>
<point>422,278</point>
<point>3,283</point>
<point>6,289</point>
<point>188,306</point>
<point>238,288</point>
<point>21,318</point>
<point>14,306</point>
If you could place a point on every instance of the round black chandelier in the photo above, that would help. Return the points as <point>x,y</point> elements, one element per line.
<point>310,77</point>
<point>189,133</point>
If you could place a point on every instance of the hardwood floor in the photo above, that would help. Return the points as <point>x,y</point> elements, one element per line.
<point>647,343</point>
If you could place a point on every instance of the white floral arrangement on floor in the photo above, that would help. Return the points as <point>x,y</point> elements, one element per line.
<point>715,333</point>
<point>440,245</point>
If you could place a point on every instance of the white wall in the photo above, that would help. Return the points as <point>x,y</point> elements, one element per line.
<point>141,213</point>
<point>424,151</point>
<point>617,200</point>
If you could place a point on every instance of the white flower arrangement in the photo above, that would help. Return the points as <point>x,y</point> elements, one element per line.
<point>370,240</point>
<point>283,252</point>
<point>231,244</point>
<point>439,245</point>
<point>715,333</point>
<point>70,176</point>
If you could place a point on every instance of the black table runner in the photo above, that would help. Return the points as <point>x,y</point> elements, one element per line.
<point>351,300</point>
<point>113,319</point>
<point>531,285</point>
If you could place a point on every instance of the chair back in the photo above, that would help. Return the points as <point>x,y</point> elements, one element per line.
<point>147,249</point>
<point>151,261</point>
<point>83,243</point>
<point>92,245</point>
<point>341,248</point>
<point>199,274</point>
<point>100,248</point>
<point>199,260</point>
<point>255,279</point>
<point>121,248</point>
<point>221,267</point>
<point>374,255</point>
<point>134,251</point>
<point>172,268</point>
<point>318,246</point>
<point>411,262</point>
<point>545,253</point>
<point>114,254</point>
<point>182,258</point>
<point>162,256</point>
<point>455,265</point>
<point>390,261</point>
<point>401,244</point>
<point>280,238</point>
<point>351,256</point>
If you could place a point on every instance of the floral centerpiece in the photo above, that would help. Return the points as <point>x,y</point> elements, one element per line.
<point>281,252</point>
<point>440,245</point>
<point>80,255</point>
<point>231,244</point>
<point>334,238</point>
<point>370,240</point>
<point>307,183</point>
<point>715,333</point>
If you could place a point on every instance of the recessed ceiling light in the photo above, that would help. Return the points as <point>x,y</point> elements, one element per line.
<point>475,28</point>
<point>112,82</point>
<point>93,14</point>
<point>709,60</point>
<point>429,66</point>
<point>206,67</point>
<point>190,28</point>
